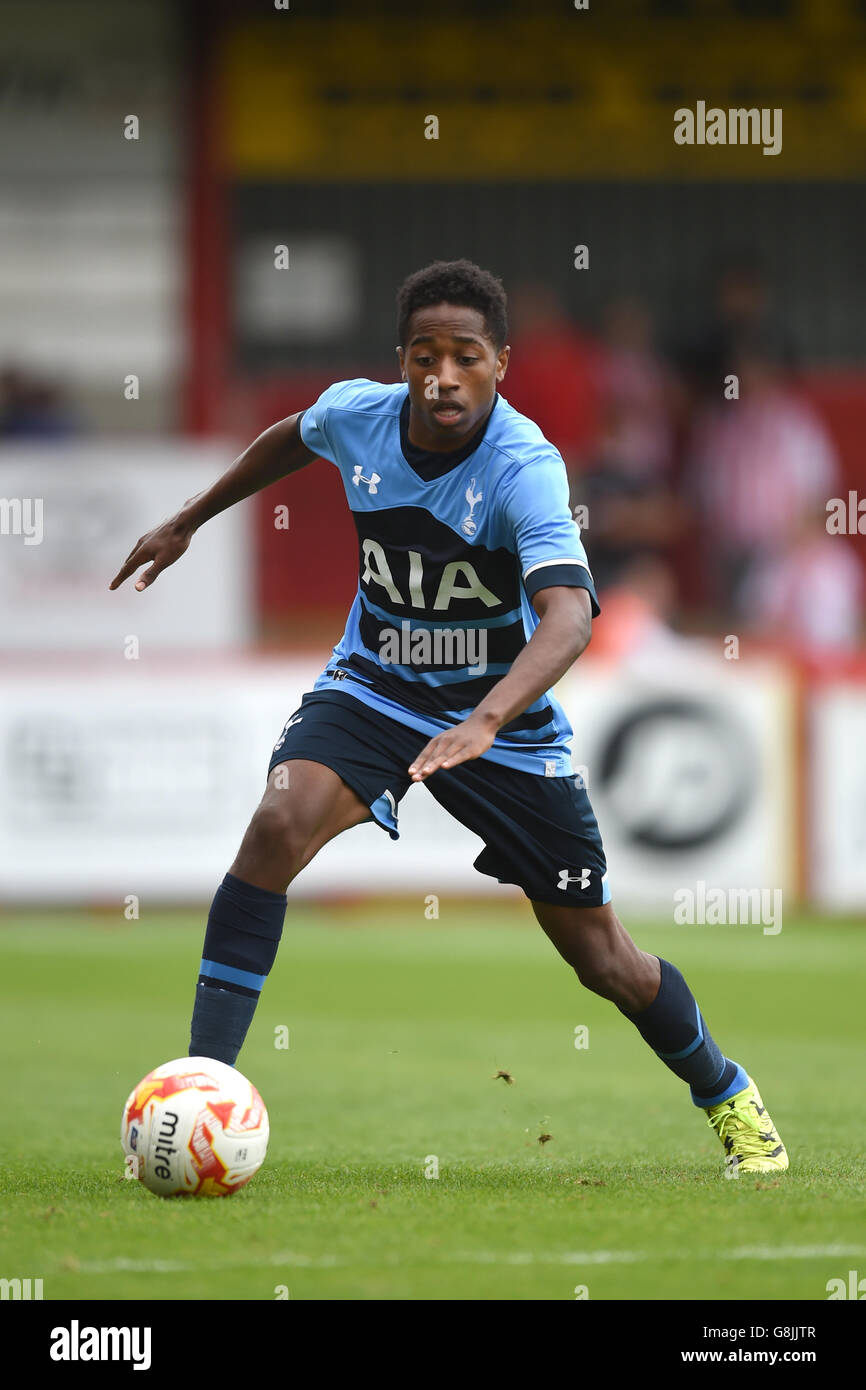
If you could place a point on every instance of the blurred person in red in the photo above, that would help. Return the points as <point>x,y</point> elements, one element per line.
<point>758,467</point>
<point>627,488</point>
<point>639,390</point>
<point>639,604</point>
<point>555,371</point>
<point>810,592</point>
<point>741,316</point>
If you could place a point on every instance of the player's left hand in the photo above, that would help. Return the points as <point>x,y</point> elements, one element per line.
<point>458,745</point>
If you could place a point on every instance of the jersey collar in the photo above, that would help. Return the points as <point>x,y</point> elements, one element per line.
<point>433,463</point>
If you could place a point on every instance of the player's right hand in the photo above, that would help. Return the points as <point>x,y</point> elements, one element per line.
<point>162,546</point>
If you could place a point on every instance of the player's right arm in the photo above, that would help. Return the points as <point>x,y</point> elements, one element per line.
<point>276,453</point>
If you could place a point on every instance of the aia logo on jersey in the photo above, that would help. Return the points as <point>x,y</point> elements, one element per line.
<point>456,580</point>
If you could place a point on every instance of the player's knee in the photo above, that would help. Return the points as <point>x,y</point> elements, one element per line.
<point>598,955</point>
<point>277,833</point>
<point>599,973</point>
<point>612,967</point>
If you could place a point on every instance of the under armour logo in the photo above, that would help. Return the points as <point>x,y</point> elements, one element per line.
<point>295,719</point>
<point>473,498</point>
<point>372,482</point>
<point>565,878</point>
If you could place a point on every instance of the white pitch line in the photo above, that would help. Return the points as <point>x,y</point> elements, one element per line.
<point>793,1252</point>
<point>297,1260</point>
<point>604,1257</point>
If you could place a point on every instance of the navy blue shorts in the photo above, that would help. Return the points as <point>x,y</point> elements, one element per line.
<point>539,832</point>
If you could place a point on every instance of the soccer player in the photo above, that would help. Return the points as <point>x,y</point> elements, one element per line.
<point>474,598</point>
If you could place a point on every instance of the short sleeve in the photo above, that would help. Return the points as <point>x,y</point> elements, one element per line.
<point>547,537</point>
<point>314,421</point>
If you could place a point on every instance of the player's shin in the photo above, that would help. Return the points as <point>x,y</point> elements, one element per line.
<point>243,932</point>
<point>677,1032</point>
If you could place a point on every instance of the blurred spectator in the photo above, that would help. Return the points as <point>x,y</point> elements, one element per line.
<point>637,609</point>
<point>758,467</point>
<point>741,316</point>
<point>627,484</point>
<point>33,408</point>
<point>639,392</point>
<point>810,593</point>
<point>553,372</point>
<point>635,628</point>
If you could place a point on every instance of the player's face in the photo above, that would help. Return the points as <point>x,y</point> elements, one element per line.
<point>452,369</point>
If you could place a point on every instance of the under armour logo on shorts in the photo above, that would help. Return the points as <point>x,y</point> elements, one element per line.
<point>565,878</point>
<point>295,719</point>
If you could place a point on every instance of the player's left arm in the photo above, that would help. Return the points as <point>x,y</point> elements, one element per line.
<point>563,632</point>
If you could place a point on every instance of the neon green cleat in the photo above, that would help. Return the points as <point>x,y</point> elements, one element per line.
<point>747,1132</point>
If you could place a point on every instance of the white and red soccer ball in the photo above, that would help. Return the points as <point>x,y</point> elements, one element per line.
<point>194,1127</point>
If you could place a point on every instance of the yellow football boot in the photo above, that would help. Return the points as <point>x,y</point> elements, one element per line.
<point>747,1132</point>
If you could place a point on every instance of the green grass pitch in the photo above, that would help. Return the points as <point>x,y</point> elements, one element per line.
<point>397,1026</point>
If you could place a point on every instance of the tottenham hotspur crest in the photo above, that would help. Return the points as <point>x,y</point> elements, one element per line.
<point>473,498</point>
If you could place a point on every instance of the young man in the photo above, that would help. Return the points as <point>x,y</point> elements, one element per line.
<point>466,543</point>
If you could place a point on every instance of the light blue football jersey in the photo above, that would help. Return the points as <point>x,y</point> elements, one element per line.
<point>452,548</point>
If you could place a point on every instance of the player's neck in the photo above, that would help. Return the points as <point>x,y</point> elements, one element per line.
<point>424,440</point>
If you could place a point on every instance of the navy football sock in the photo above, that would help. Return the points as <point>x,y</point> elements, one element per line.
<point>243,932</point>
<point>676,1031</point>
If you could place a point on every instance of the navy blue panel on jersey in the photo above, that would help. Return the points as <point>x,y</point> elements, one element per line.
<point>539,832</point>
<point>451,551</point>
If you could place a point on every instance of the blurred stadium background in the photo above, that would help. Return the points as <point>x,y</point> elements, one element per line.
<point>156,155</point>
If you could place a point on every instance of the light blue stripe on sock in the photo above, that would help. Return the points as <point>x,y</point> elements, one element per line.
<point>214,971</point>
<point>739,1083</point>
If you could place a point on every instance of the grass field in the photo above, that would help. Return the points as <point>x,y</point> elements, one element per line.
<point>396,1028</point>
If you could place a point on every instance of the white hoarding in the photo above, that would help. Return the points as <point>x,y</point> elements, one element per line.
<point>837,797</point>
<point>69,516</point>
<point>139,777</point>
<point>691,775</point>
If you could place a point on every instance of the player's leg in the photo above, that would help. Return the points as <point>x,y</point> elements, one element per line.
<point>541,834</point>
<point>654,996</point>
<point>650,992</point>
<point>336,764</point>
<point>305,805</point>
<point>593,941</point>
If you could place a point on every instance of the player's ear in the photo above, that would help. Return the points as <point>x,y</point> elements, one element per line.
<point>502,361</point>
<point>402,361</point>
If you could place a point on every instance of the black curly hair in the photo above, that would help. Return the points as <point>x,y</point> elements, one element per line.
<point>454,282</point>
